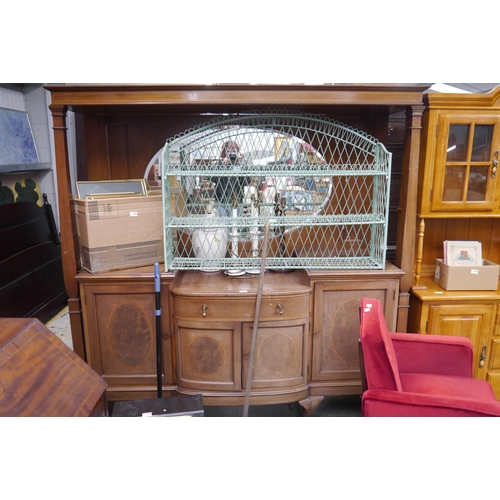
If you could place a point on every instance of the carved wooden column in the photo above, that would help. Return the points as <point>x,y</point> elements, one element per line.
<point>405,245</point>
<point>69,242</point>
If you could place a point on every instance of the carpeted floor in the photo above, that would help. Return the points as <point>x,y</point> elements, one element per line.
<point>331,406</point>
<point>59,326</point>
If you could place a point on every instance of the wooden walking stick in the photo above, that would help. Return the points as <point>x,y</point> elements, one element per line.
<point>256,319</point>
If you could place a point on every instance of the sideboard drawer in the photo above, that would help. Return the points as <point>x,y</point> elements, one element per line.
<point>242,309</point>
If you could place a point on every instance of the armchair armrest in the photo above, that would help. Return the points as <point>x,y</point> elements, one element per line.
<point>380,403</point>
<point>433,354</point>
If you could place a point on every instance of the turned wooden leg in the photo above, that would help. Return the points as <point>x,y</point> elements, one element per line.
<point>420,252</point>
<point>310,404</point>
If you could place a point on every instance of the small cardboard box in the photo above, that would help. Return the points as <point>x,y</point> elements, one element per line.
<point>120,232</point>
<point>483,277</point>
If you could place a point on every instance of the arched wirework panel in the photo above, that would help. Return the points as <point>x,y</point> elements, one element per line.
<point>322,185</point>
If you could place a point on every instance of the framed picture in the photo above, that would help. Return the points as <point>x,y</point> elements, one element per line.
<point>463,253</point>
<point>101,189</point>
<point>17,145</point>
<point>15,188</point>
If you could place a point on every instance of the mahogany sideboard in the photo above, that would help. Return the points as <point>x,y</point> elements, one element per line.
<point>307,344</point>
<point>119,128</point>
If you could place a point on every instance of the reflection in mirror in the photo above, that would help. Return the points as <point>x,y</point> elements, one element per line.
<point>453,183</point>
<point>482,142</point>
<point>262,164</point>
<point>477,184</point>
<point>153,171</point>
<point>457,143</point>
<point>261,150</point>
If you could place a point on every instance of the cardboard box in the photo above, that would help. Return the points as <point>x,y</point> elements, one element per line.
<point>483,277</point>
<point>120,232</point>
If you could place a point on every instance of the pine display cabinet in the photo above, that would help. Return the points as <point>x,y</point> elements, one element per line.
<point>459,199</point>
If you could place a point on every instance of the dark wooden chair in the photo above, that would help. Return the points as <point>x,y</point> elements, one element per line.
<point>31,273</point>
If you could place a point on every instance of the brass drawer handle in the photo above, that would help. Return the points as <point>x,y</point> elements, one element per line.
<point>494,165</point>
<point>280,308</point>
<point>204,310</point>
<point>482,357</point>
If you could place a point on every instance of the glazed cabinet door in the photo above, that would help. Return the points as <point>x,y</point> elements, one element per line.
<point>281,354</point>
<point>465,172</point>
<point>335,356</point>
<point>208,355</point>
<point>120,336</point>
<point>474,321</point>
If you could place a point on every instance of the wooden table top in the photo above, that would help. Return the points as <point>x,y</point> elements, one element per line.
<point>42,377</point>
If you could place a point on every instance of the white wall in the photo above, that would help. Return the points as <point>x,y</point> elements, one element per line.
<point>12,99</point>
<point>35,102</point>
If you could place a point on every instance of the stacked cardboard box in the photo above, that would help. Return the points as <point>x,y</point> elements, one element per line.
<point>120,232</point>
<point>483,277</point>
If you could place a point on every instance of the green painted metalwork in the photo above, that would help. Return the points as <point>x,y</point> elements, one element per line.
<point>324,187</point>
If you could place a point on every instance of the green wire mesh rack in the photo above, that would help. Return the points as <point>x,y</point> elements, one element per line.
<point>322,185</point>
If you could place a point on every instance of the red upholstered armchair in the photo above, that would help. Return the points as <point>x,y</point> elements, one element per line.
<point>415,375</point>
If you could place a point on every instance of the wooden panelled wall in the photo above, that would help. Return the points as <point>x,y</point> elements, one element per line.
<point>486,230</point>
<point>114,147</point>
<point>120,147</point>
<point>395,144</point>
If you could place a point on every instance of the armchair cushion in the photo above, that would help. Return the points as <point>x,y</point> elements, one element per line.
<point>438,354</point>
<point>447,386</point>
<point>380,403</point>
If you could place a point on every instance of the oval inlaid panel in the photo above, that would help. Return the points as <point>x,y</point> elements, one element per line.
<point>345,331</point>
<point>206,355</point>
<point>277,352</point>
<point>130,335</point>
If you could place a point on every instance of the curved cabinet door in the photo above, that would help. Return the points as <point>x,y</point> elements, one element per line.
<point>208,355</point>
<point>281,354</point>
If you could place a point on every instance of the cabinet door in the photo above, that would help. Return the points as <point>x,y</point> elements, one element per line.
<point>120,331</point>
<point>493,365</point>
<point>336,328</point>
<point>280,359</point>
<point>465,178</point>
<point>208,355</point>
<point>474,321</point>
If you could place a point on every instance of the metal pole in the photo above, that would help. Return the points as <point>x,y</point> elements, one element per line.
<point>256,320</point>
<point>159,384</point>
